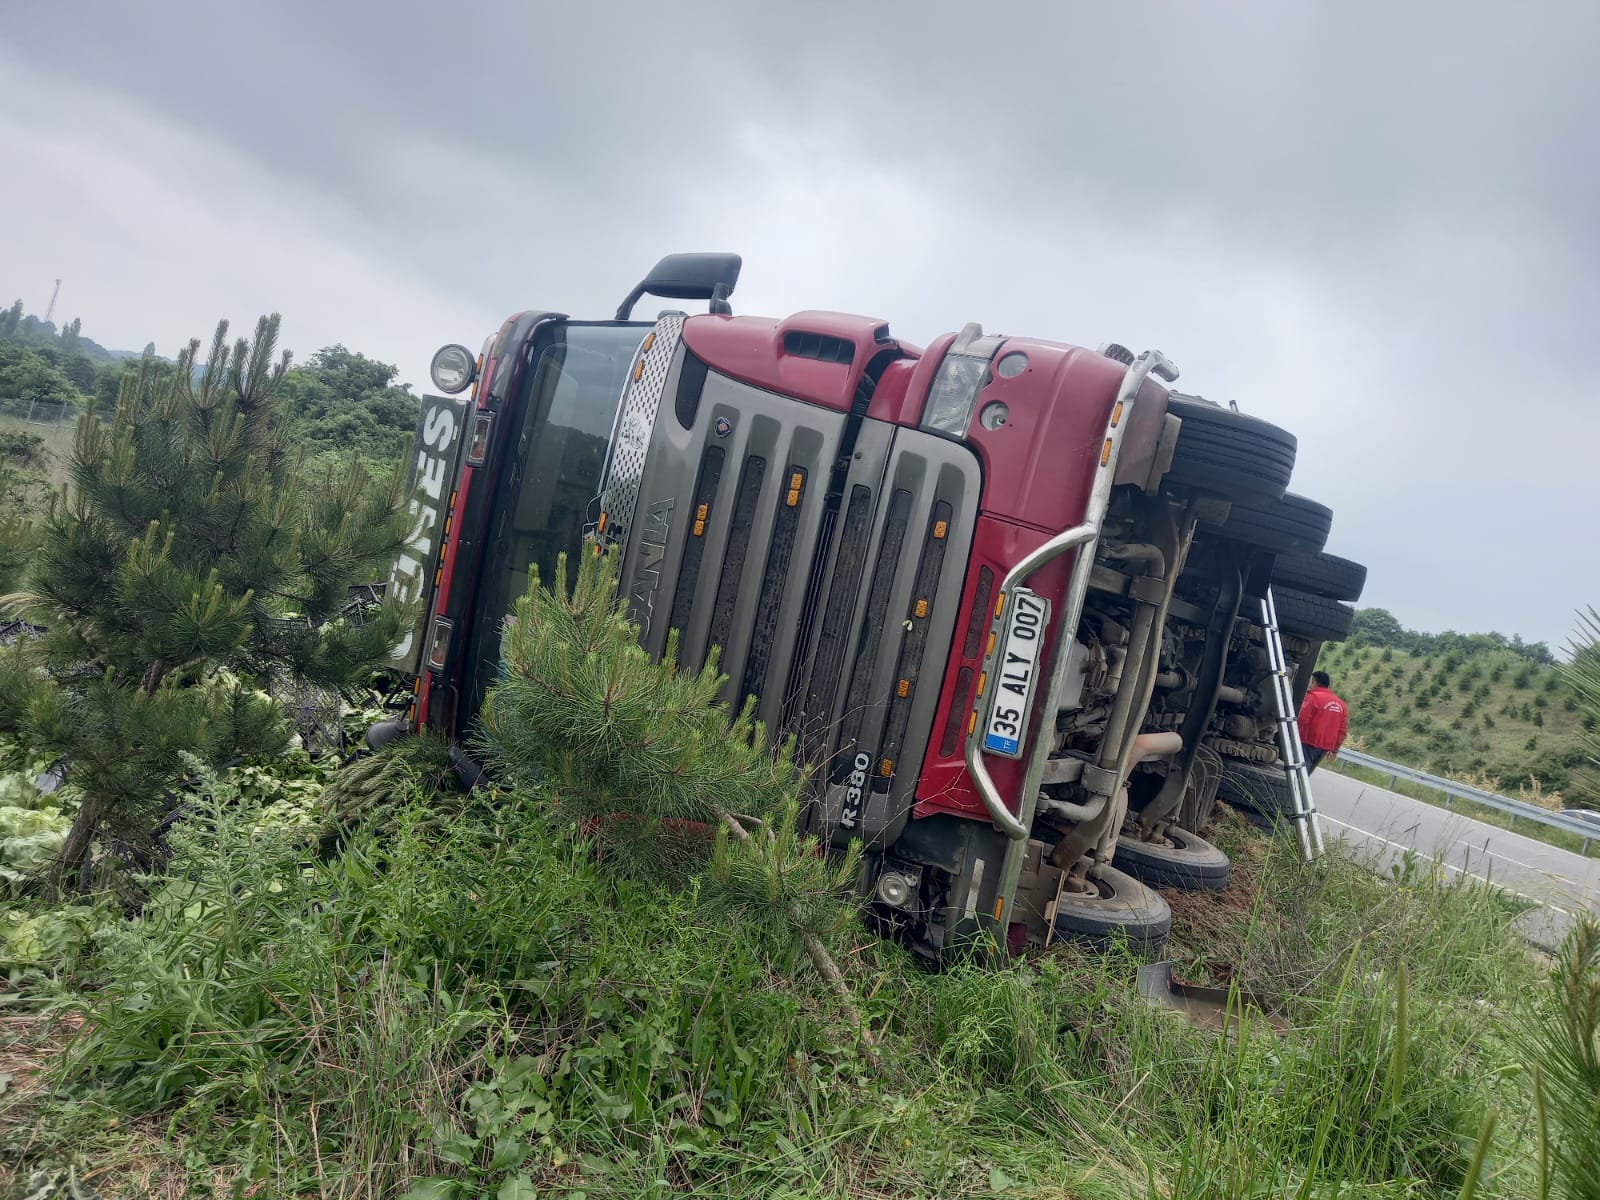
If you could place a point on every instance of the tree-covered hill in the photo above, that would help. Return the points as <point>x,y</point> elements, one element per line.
<point>1482,705</point>
<point>341,402</point>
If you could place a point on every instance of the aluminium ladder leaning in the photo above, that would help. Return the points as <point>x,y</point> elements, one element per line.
<point>1289,747</point>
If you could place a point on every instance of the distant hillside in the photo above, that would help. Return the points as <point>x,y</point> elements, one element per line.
<point>28,329</point>
<point>1491,712</point>
<point>57,368</point>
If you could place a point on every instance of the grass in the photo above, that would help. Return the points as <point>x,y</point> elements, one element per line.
<point>1494,720</point>
<point>57,441</point>
<point>475,995</point>
<point>473,1001</point>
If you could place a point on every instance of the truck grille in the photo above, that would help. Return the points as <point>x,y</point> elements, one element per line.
<point>694,552</point>
<point>827,568</point>
<point>774,582</point>
<point>630,437</point>
<point>828,657</point>
<point>744,520</point>
<point>913,644</point>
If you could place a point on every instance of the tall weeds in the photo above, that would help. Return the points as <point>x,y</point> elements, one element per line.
<point>468,1006</point>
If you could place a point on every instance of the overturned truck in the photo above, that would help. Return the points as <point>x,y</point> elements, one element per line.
<point>1003,592</point>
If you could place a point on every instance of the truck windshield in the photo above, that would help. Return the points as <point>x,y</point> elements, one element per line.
<point>564,414</point>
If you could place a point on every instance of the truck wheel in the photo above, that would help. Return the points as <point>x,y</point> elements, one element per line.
<point>1325,575</point>
<point>1190,864</point>
<point>1290,525</point>
<point>1261,789</point>
<point>1315,618</point>
<point>1229,453</point>
<point>1124,911</point>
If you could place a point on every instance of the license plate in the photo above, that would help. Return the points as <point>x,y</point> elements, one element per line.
<point>1013,673</point>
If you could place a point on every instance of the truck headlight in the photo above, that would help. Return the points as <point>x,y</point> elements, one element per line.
<point>961,376</point>
<point>898,887</point>
<point>453,369</point>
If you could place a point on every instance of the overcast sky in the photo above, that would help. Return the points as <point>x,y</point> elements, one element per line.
<point>1377,225</point>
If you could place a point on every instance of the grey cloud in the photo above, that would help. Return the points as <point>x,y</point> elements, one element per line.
<point>1373,223</point>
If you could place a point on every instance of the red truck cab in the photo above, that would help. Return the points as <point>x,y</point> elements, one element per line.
<point>947,570</point>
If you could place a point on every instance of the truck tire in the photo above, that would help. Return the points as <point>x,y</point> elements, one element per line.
<point>1325,575</point>
<point>1190,864</point>
<point>1261,789</point>
<point>1218,450</point>
<point>1124,912</point>
<point>1292,525</point>
<point>1315,618</point>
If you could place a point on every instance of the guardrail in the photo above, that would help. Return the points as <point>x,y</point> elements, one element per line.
<point>1515,809</point>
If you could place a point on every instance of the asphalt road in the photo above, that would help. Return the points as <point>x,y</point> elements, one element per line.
<point>1380,825</point>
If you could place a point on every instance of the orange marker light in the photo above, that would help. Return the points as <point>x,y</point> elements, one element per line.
<point>940,528</point>
<point>903,688</point>
<point>921,610</point>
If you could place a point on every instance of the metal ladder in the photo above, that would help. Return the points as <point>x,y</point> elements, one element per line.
<point>1083,537</point>
<point>1289,747</point>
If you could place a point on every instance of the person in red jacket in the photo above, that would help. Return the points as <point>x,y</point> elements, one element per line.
<point>1324,721</point>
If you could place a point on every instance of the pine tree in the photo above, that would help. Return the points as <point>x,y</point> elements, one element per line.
<point>637,752</point>
<point>1560,1044</point>
<point>188,558</point>
<point>17,535</point>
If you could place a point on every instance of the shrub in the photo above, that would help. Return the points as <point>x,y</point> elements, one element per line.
<point>192,556</point>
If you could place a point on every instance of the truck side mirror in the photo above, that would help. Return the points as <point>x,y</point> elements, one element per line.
<point>688,277</point>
